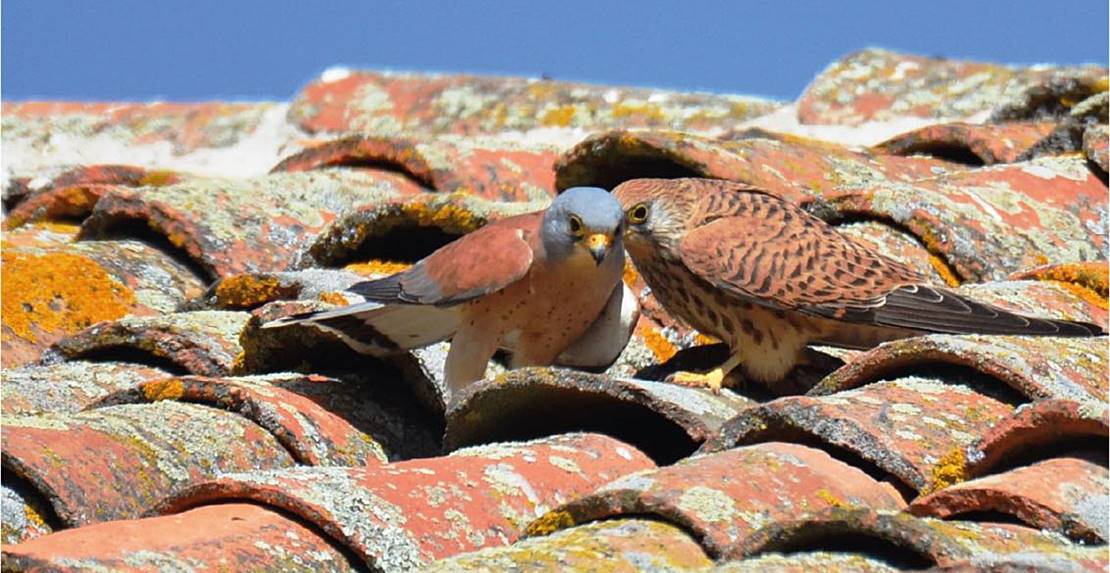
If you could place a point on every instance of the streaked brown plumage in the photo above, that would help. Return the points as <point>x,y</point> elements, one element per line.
<point>767,278</point>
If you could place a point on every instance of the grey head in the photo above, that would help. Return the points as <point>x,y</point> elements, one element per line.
<point>581,221</point>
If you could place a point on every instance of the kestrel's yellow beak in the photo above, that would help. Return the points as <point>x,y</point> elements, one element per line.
<point>599,244</point>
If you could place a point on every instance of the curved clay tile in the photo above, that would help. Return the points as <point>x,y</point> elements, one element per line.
<point>54,287</point>
<point>911,431</point>
<point>795,169</point>
<point>666,421</point>
<point>402,103</point>
<point>407,514</point>
<point>228,226</point>
<point>71,193</point>
<point>67,387</point>
<point>910,542</point>
<point>1096,145</point>
<point>119,461</point>
<point>313,434</point>
<point>405,229</point>
<point>902,85</point>
<point>500,170</point>
<point>231,536</point>
<point>613,545</point>
<point>1036,367</point>
<point>201,342</point>
<point>969,143</point>
<point>1064,494</point>
<point>1040,430</point>
<point>723,497</point>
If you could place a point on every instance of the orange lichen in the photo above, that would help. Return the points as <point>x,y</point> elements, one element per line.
<point>550,522</point>
<point>58,292</point>
<point>630,275</point>
<point>169,389</point>
<point>449,217</point>
<point>377,267</point>
<point>704,339</point>
<point>648,110</point>
<point>332,297</point>
<point>950,469</point>
<point>248,291</point>
<point>158,178</point>
<point>657,343</point>
<point>559,117</point>
<point>945,271</point>
<point>1086,294</point>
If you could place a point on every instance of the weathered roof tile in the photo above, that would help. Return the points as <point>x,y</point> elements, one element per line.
<point>900,85</point>
<point>408,514</point>
<point>67,387</point>
<point>230,536</point>
<point>723,497</point>
<point>201,342</point>
<point>911,431</point>
<point>618,545</point>
<point>121,460</point>
<point>969,143</point>
<point>665,421</point>
<point>391,103</point>
<point>1063,494</point>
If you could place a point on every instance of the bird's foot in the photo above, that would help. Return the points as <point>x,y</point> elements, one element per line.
<point>711,380</point>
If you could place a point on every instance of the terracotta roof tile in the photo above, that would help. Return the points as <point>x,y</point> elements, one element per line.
<point>723,497</point>
<point>407,514</point>
<point>497,169</point>
<point>900,85</point>
<point>54,287</point>
<point>67,387</point>
<point>969,143</point>
<point>390,103</point>
<point>201,342</point>
<point>312,434</point>
<point>918,543</point>
<point>230,536</point>
<point>1037,368</point>
<point>72,191</point>
<point>1063,494</point>
<point>664,420</point>
<point>911,431</point>
<point>121,460</point>
<point>619,545</point>
<point>1096,146</point>
<point>1038,429</point>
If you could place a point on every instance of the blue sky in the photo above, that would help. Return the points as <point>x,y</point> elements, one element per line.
<point>250,50</point>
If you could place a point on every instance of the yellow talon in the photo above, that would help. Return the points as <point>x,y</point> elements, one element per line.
<point>711,379</point>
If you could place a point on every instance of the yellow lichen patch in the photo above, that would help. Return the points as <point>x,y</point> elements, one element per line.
<point>1090,275</point>
<point>59,227</point>
<point>58,292</point>
<point>550,522</point>
<point>944,271</point>
<point>704,339</point>
<point>559,117</point>
<point>949,470</point>
<point>332,297</point>
<point>449,217</point>
<point>377,267</point>
<point>829,498</point>
<point>1086,294</point>
<point>246,291</point>
<point>630,275</point>
<point>648,110</point>
<point>1100,85</point>
<point>158,178</point>
<point>170,389</point>
<point>33,517</point>
<point>657,343</point>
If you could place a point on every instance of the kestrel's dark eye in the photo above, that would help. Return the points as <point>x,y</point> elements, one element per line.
<point>638,213</point>
<point>576,225</point>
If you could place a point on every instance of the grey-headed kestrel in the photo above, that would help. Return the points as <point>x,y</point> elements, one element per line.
<point>767,278</point>
<point>545,286</point>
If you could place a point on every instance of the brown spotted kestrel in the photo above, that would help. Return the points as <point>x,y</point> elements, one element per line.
<point>546,286</point>
<point>768,278</point>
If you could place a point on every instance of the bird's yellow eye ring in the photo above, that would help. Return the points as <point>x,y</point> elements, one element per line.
<point>576,227</point>
<point>638,213</point>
